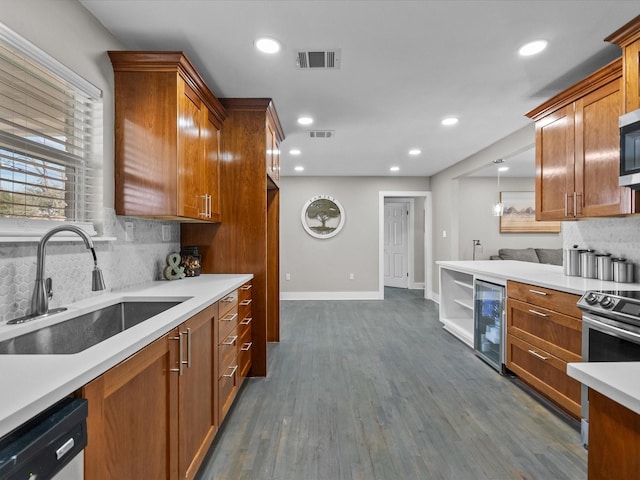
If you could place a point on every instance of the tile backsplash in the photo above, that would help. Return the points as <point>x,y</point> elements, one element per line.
<point>618,236</point>
<point>69,264</point>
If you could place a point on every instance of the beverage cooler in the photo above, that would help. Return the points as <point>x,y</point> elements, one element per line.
<point>489,308</point>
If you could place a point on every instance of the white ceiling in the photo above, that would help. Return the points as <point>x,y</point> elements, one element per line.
<point>404,66</point>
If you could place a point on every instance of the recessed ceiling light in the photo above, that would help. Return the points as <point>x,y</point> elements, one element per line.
<point>449,121</point>
<point>267,45</point>
<point>305,120</point>
<point>299,168</point>
<point>415,151</point>
<point>503,169</point>
<point>295,151</point>
<point>532,48</point>
<point>394,169</point>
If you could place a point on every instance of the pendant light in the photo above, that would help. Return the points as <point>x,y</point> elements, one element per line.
<point>498,207</point>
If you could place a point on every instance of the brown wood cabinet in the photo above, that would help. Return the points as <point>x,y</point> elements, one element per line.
<point>154,415</point>
<point>614,440</point>
<point>167,138</point>
<point>628,37</point>
<point>544,333</point>
<point>248,239</point>
<point>577,150</point>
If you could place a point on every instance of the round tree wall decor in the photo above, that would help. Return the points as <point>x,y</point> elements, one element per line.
<point>322,216</point>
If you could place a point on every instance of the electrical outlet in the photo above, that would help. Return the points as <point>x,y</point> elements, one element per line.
<point>352,276</point>
<point>287,276</point>
<point>128,231</point>
<point>444,234</point>
<point>166,233</point>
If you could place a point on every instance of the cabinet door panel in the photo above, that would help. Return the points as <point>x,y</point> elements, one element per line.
<point>196,413</point>
<point>598,153</point>
<point>211,169</point>
<point>190,175</point>
<point>132,417</point>
<point>554,165</point>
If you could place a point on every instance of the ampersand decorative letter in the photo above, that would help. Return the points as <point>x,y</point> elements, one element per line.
<point>173,270</point>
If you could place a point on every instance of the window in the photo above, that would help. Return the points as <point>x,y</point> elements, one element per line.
<point>50,137</point>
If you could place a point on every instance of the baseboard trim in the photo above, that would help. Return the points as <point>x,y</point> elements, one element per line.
<point>435,297</point>
<point>416,286</point>
<point>329,296</point>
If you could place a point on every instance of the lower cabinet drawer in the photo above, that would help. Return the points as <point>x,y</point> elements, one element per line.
<point>227,389</point>
<point>545,373</point>
<point>244,353</point>
<point>228,349</point>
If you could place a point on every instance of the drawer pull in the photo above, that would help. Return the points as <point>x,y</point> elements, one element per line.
<point>229,317</point>
<point>536,354</point>
<point>230,340</point>
<point>244,303</point>
<point>180,351</point>
<point>245,287</point>
<point>540,314</point>
<point>232,373</point>
<point>538,292</point>
<point>246,321</point>
<point>229,299</point>
<point>246,346</point>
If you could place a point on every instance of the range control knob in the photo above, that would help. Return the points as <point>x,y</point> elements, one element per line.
<point>606,302</point>
<point>591,298</point>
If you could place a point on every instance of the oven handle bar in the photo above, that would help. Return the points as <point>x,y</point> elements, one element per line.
<point>604,326</point>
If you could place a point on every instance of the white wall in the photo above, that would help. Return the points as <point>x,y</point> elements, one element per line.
<point>68,32</point>
<point>324,265</point>
<point>476,221</point>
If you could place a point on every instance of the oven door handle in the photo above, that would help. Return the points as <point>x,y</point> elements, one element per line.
<point>611,329</point>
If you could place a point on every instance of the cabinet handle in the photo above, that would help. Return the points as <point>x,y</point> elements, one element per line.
<point>180,363</point>
<point>244,303</point>
<point>536,354</point>
<point>540,314</point>
<point>188,362</point>
<point>233,372</point>
<point>538,292</point>
<point>566,204</point>
<point>245,287</point>
<point>246,346</point>
<point>229,317</point>
<point>208,206</point>
<point>228,299</point>
<point>203,209</point>
<point>246,321</point>
<point>230,340</point>
<point>576,204</point>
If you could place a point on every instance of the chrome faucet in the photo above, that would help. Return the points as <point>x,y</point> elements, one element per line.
<point>43,290</point>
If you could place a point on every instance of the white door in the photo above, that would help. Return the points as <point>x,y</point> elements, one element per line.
<point>396,244</point>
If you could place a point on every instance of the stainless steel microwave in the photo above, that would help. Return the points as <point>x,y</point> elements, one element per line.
<point>630,150</point>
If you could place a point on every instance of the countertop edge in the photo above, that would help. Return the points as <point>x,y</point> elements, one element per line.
<point>24,396</point>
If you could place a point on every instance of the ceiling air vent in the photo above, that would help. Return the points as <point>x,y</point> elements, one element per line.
<point>318,59</point>
<point>322,133</point>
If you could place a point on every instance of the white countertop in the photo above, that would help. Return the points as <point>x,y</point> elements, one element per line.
<point>616,380</point>
<point>31,383</point>
<point>544,275</point>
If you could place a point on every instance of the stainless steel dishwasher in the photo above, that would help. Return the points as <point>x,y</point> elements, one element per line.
<point>49,446</point>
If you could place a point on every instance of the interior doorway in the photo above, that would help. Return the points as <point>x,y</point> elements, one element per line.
<point>397,255</point>
<point>419,227</point>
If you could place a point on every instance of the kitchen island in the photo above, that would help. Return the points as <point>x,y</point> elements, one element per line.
<point>32,383</point>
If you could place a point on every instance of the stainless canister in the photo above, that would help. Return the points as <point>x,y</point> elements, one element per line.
<point>572,261</point>
<point>630,271</point>
<point>588,264</point>
<point>619,269</point>
<point>603,266</point>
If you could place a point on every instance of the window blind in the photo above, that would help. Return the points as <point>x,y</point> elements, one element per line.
<point>50,137</point>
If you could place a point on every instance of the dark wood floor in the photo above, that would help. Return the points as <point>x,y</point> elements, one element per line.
<point>365,390</point>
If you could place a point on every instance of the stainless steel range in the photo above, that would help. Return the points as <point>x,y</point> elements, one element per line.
<point>610,333</point>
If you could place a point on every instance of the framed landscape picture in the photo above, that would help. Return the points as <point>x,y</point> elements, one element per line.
<point>520,214</point>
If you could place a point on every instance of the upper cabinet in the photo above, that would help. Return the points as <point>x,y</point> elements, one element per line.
<point>274,137</point>
<point>167,138</point>
<point>628,37</point>
<point>577,150</point>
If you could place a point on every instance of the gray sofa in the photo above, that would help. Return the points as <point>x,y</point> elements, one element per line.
<point>534,255</point>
